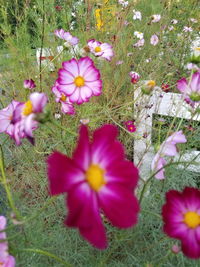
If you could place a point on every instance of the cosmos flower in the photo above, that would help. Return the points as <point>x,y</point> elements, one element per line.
<point>29,84</point>
<point>6,260</point>
<point>155,18</point>
<point>187,29</point>
<point>25,117</point>
<point>154,40</point>
<point>134,77</point>
<point>174,21</point>
<point>130,126</point>
<point>79,80</point>
<point>167,148</point>
<point>66,106</point>
<point>139,35</point>
<point>123,3</point>
<point>71,40</point>
<point>181,217</point>
<point>96,179</point>
<point>103,50</point>
<point>6,118</point>
<point>139,43</point>
<point>190,89</point>
<point>137,15</point>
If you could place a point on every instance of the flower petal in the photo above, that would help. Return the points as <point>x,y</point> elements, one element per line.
<point>62,173</point>
<point>82,153</point>
<point>119,205</point>
<point>84,214</point>
<point>71,66</point>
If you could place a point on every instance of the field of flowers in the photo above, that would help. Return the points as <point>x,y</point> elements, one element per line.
<point>78,81</point>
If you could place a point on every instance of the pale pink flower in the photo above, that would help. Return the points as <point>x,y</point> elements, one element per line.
<point>174,21</point>
<point>155,18</point>
<point>6,260</point>
<point>66,36</point>
<point>154,40</point>
<point>137,15</point>
<point>99,49</point>
<point>139,35</point>
<point>139,43</point>
<point>167,148</point>
<point>187,29</point>
<point>6,118</point>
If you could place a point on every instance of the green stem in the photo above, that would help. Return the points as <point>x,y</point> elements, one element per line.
<point>152,176</point>
<point>48,254</point>
<point>63,128</point>
<point>6,186</point>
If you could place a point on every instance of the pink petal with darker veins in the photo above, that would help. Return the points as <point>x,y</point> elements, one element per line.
<point>119,205</point>
<point>65,77</point>
<point>92,74</point>
<point>195,82</point>
<point>84,63</point>
<point>39,101</point>
<point>67,89</point>
<point>182,85</point>
<point>84,214</point>
<point>123,173</point>
<point>62,173</point>
<point>71,66</point>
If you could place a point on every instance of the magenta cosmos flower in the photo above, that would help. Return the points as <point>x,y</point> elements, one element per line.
<point>168,148</point>
<point>6,260</point>
<point>29,84</point>
<point>97,179</point>
<point>66,106</point>
<point>79,80</point>
<point>181,216</point>
<point>71,40</point>
<point>99,49</point>
<point>190,89</point>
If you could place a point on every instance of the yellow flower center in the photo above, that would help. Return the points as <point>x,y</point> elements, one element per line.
<point>197,48</point>
<point>151,83</point>
<point>28,108</point>
<point>79,81</point>
<point>95,177</point>
<point>192,219</point>
<point>63,97</point>
<point>97,49</point>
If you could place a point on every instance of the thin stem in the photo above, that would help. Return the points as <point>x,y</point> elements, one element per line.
<point>6,186</point>
<point>48,254</point>
<point>42,44</point>
<point>63,128</point>
<point>152,176</point>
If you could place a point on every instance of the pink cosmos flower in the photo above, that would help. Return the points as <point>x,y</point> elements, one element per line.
<point>66,36</point>
<point>79,80</point>
<point>6,118</point>
<point>139,43</point>
<point>187,29</point>
<point>66,106</point>
<point>181,217</point>
<point>6,260</point>
<point>155,18</point>
<point>190,89</point>
<point>25,117</point>
<point>168,148</point>
<point>99,49</point>
<point>154,39</point>
<point>30,84</point>
<point>134,77</point>
<point>97,179</point>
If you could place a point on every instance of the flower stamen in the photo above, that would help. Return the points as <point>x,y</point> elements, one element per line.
<point>95,177</point>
